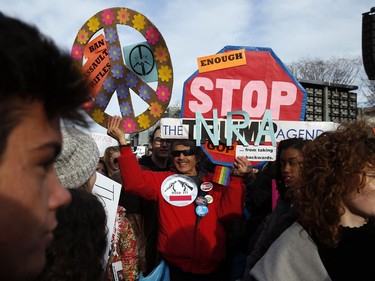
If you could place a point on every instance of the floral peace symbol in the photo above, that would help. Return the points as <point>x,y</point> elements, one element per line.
<point>115,76</point>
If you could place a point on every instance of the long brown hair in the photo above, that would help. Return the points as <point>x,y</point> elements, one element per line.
<point>332,169</point>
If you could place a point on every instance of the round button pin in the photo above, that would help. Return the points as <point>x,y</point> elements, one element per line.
<point>179,190</point>
<point>201,210</point>
<point>206,186</point>
<point>201,201</point>
<point>209,198</point>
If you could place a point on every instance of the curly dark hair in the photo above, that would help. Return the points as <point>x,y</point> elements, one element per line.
<point>80,241</point>
<point>333,168</point>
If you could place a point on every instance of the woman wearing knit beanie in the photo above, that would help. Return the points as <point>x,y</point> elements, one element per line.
<point>76,165</point>
<point>76,168</point>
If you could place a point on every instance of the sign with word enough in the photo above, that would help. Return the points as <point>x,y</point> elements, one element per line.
<point>245,83</point>
<point>262,83</point>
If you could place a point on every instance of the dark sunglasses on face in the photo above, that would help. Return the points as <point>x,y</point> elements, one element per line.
<point>186,152</point>
<point>160,141</point>
<point>115,160</point>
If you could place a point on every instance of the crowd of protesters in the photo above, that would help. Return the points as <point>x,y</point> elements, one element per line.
<point>172,211</point>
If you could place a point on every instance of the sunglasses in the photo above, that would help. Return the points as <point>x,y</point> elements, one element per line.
<point>186,152</point>
<point>115,160</point>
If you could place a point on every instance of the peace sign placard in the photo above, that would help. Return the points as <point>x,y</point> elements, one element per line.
<point>102,63</point>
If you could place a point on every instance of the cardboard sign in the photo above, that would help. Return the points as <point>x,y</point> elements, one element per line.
<point>262,89</point>
<point>224,154</point>
<point>221,61</point>
<point>263,83</point>
<point>97,65</point>
<point>103,141</point>
<point>108,191</point>
<point>140,59</point>
<point>102,60</point>
<point>140,151</point>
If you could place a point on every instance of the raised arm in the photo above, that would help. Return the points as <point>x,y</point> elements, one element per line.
<point>113,130</point>
<point>143,183</point>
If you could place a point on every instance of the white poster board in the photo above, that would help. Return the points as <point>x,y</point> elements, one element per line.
<point>140,151</point>
<point>108,192</point>
<point>103,141</point>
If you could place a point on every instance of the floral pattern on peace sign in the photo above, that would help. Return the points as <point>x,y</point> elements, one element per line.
<point>103,65</point>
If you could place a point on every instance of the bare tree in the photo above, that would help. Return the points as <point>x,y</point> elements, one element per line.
<point>334,70</point>
<point>369,91</point>
<point>173,111</point>
<point>338,70</point>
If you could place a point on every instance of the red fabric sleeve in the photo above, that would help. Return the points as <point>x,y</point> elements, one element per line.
<point>232,200</point>
<point>145,184</point>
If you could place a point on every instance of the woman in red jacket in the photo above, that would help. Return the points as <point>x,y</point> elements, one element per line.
<point>191,207</point>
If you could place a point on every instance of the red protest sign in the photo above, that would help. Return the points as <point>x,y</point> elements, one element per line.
<point>220,154</point>
<point>97,66</point>
<point>262,83</point>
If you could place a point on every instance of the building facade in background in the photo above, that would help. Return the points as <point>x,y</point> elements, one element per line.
<point>330,102</point>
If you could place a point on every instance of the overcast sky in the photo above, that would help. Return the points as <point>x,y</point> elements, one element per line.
<point>195,28</point>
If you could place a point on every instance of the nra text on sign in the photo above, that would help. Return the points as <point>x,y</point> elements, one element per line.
<point>173,128</point>
<point>201,129</point>
<point>186,128</point>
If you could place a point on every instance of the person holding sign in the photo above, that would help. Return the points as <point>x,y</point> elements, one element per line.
<point>335,204</point>
<point>157,161</point>
<point>39,85</point>
<point>76,169</point>
<point>143,213</point>
<point>76,165</point>
<point>191,207</point>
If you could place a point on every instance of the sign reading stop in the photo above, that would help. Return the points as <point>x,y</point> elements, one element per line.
<point>259,83</point>
<point>262,83</point>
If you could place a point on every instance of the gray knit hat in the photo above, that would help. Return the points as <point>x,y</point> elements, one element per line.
<point>78,158</point>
